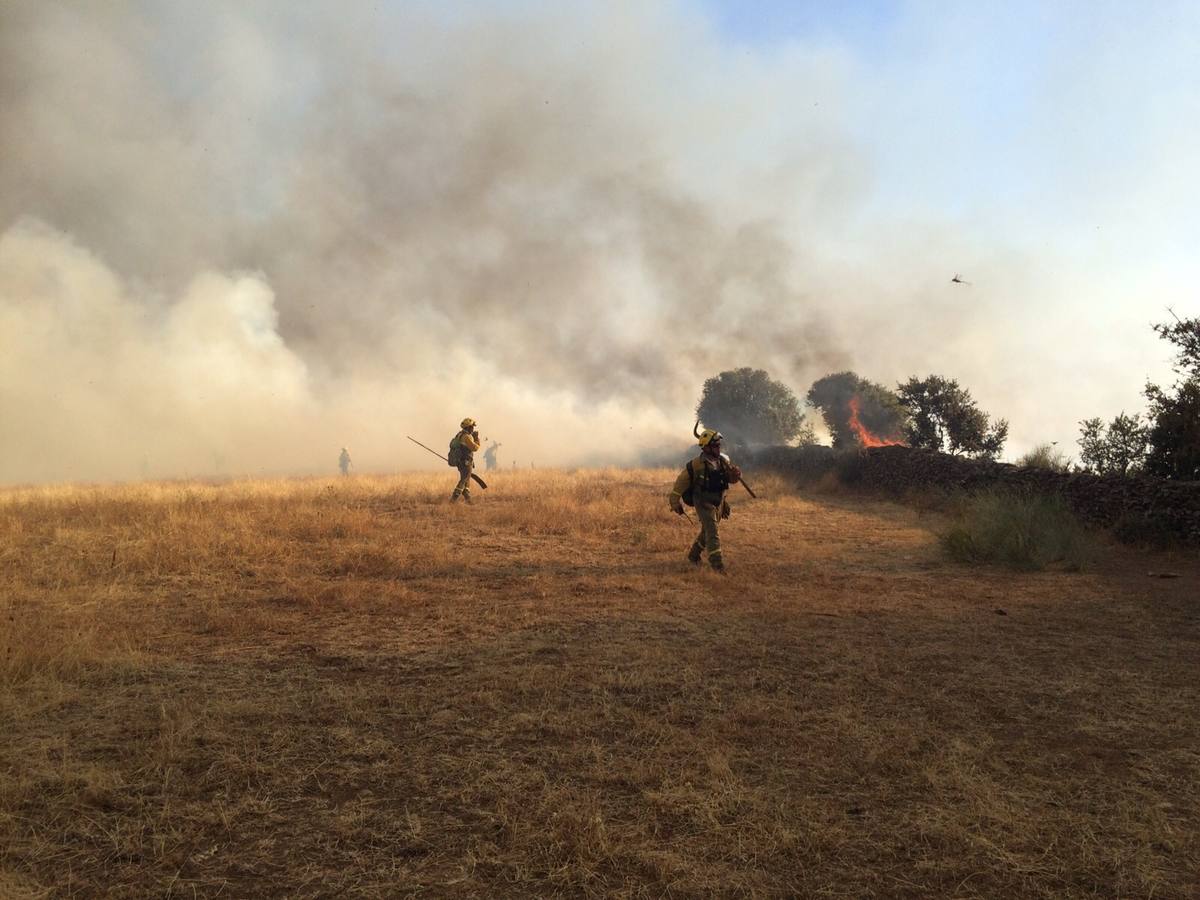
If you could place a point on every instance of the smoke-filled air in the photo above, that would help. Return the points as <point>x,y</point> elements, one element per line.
<point>236,237</point>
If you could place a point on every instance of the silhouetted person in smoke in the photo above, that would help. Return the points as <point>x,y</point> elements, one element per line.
<point>344,461</point>
<point>489,456</point>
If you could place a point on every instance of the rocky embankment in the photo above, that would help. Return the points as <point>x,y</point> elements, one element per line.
<point>1134,507</point>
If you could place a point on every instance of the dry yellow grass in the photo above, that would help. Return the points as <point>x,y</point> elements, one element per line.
<point>351,688</point>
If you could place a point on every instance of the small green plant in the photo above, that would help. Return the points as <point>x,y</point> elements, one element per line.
<point>1021,529</point>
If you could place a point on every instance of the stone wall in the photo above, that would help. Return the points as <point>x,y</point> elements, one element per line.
<point>1140,507</point>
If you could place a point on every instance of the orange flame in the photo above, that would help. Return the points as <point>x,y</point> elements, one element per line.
<point>865,437</point>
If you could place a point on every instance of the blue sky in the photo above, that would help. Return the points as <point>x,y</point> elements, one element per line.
<point>1009,98</point>
<point>866,25</point>
<point>1062,136</point>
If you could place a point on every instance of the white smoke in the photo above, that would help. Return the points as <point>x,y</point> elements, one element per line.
<point>97,379</point>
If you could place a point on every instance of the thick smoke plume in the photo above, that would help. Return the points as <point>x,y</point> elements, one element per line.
<point>237,236</point>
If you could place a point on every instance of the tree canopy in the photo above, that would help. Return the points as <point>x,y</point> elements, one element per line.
<point>1185,335</point>
<point>1174,433</point>
<point>748,407</point>
<point>945,417</point>
<point>1115,448</point>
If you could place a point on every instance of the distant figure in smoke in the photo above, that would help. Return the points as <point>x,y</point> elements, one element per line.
<point>344,461</point>
<point>704,482</point>
<point>462,456</point>
<point>489,456</point>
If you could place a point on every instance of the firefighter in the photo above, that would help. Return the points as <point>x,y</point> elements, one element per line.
<point>489,456</point>
<point>344,462</point>
<point>462,455</point>
<point>704,481</point>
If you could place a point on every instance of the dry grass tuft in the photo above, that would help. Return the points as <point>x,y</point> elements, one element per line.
<point>1022,529</point>
<point>351,688</point>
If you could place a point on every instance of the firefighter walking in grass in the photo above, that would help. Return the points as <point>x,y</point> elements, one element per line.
<point>703,483</point>
<point>462,456</point>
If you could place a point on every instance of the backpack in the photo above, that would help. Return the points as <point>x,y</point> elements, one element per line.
<point>689,496</point>
<point>454,456</point>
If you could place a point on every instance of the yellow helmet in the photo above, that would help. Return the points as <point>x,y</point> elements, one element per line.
<point>468,423</point>
<point>708,436</point>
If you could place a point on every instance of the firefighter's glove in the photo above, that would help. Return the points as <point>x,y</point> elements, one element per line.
<point>724,510</point>
<point>735,474</point>
<point>677,506</point>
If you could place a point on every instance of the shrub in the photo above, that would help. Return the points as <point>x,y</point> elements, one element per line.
<point>851,468</point>
<point>1020,529</point>
<point>1144,530</point>
<point>1044,456</point>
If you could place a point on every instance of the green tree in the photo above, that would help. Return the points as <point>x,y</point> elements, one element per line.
<point>1175,431</point>
<point>1174,414</point>
<point>1116,448</point>
<point>944,417</point>
<point>1185,335</point>
<point>879,410</point>
<point>748,407</point>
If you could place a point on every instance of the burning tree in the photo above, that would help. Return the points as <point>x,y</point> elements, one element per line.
<point>946,418</point>
<point>858,412</point>
<point>750,408</point>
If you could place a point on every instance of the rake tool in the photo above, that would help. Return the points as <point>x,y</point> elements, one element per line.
<point>479,481</point>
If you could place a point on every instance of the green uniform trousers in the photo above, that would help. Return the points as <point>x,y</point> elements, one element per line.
<point>708,510</point>
<point>463,488</point>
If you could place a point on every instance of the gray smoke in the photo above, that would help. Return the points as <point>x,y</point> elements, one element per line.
<point>235,237</point>
<point>238,222</point>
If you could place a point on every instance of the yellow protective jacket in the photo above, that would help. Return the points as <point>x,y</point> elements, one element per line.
<point>467,445</point>
<point>708,478</point>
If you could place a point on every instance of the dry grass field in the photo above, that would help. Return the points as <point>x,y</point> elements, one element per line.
<point>352,689</point>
